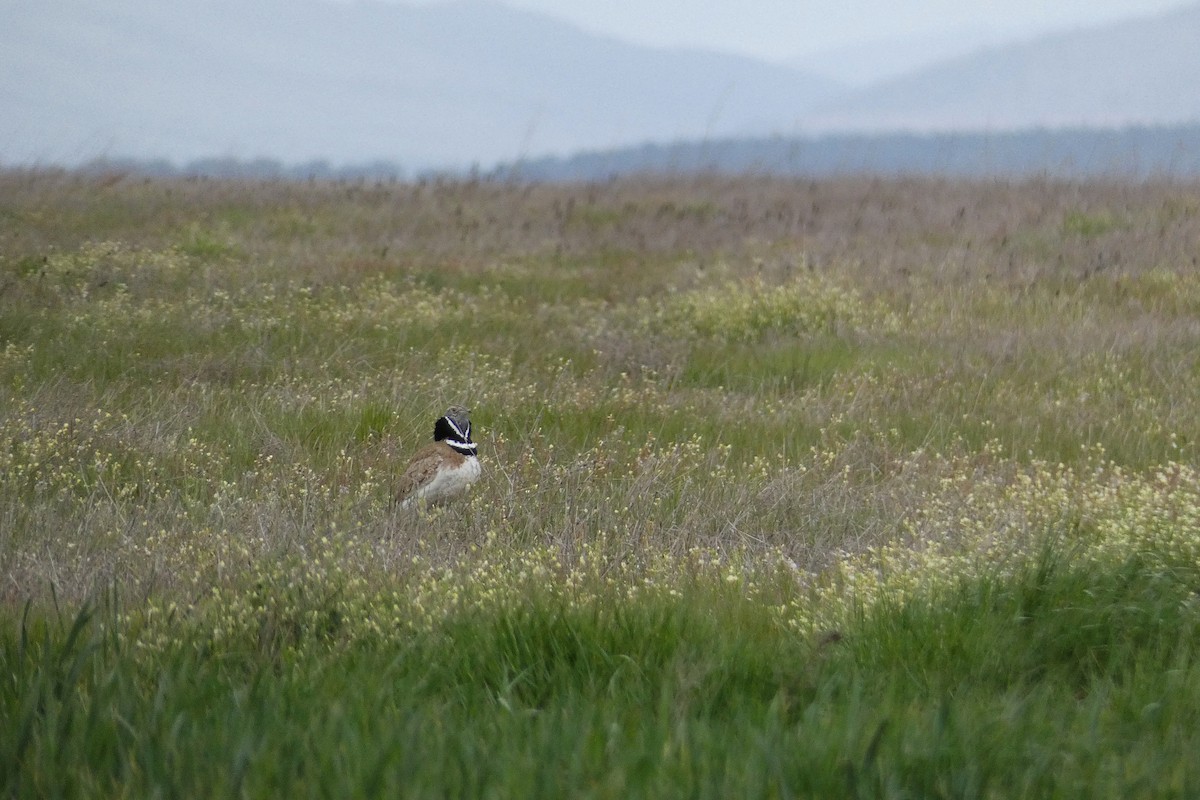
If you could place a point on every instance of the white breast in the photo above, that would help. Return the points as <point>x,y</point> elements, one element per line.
<point>448,482</point>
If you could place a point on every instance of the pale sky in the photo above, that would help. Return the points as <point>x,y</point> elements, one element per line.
<point>784,29</point>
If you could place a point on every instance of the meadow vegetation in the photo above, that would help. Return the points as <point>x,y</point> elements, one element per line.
<point>878,488</point>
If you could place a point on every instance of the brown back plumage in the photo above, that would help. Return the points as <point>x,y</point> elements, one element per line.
<point>423,466</point>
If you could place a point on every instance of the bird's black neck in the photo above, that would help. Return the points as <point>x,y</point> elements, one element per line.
<point>459,439</point>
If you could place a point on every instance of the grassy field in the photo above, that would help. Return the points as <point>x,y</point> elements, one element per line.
<point>853,488</point>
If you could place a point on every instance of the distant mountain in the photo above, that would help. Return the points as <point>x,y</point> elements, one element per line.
<point>476,82</point>
<point>862,64</point>
<point>1139,72</point>
<point>296,80</point>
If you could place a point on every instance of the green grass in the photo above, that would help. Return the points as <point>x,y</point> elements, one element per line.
<point>855,488</point>
<point>1055,682</point>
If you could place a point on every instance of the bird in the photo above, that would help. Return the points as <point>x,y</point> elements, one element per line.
<point>444,468</point>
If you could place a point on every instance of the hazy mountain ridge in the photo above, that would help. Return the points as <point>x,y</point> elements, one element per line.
<point>1136,72</point>
<point>305,79</point>
<point>869,63</point>
<point>478,82</point>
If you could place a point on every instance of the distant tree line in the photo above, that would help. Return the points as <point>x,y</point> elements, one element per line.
<point>1134,152</point>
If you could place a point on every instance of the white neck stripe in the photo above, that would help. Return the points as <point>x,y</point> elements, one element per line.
<point>456,429</point>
